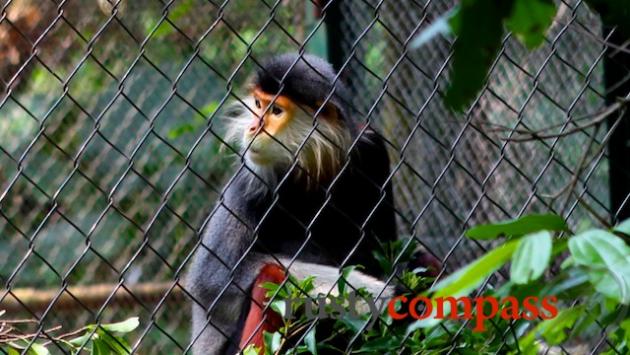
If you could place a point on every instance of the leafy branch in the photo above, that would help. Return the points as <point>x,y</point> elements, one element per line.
<point>592,289</point>
<point>99,339</point>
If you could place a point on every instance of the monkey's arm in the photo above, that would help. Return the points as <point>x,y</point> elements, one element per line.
<point>218,279</point>
<point>374,162</point>
<point>366,192</point>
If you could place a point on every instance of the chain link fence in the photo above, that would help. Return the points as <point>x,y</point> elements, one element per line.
<point>111,135</point>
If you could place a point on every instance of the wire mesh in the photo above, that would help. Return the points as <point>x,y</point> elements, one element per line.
<point>110,138</point>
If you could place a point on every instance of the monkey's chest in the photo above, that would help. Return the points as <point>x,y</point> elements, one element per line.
<point>317,230</point>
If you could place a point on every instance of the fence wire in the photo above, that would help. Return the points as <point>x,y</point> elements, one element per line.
<point>110,139</point>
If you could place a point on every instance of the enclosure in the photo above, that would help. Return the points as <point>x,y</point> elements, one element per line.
<point>111,135</point>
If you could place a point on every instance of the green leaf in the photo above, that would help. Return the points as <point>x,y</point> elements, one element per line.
<point>99,347</point>
<point>306,285</point>
<point>559,246</point>
<point>15,345</point>
<point>607,259</point>
<point>383,261</point>
<point>11,351</point>
<point>530,20</point>
<point>310,342</point>
<point>625,326</point>
<point>272,341</point>
<point>354,324</point>
<point>341,284</point>
<point>38,349</point>
<point>125,326</point>
<point>271,288</point>
<point>465,280</point>
<point>470,277</point>
<point>567,263</point>
<point>519,291</point>
<point>250,350</point>
<point>82,340</point>
<point>413,281</point>
<point>623,227</point>
<point>117,345</point>
<point>569,285</point>
<point>586,319</point>
<point>531,257</point>
<point>598,247</point>
<point>479,38</point>
<point>553,330</point>
<point>518,227</point>
<point>280,306</point>
<point>398,251</point>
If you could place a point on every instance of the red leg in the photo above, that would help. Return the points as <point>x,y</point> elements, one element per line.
<point>270,320</point>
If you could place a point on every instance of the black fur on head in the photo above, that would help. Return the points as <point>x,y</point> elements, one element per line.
<point>309,82</point>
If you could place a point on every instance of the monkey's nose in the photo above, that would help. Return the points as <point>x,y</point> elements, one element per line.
<point>252,129</point>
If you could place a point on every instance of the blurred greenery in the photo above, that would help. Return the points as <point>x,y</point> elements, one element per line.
<point>99,339</point>
<point>142,119</point>
<point>139,114</point>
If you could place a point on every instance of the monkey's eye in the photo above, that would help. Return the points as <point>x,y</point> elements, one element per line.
<point>257,103</point>
<point>275,110</point>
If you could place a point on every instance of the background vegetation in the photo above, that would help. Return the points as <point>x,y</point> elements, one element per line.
<point>110,130</point>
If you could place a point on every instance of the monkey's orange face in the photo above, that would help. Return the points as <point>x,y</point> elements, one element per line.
<point>269,124</point>
<point>275,132</point>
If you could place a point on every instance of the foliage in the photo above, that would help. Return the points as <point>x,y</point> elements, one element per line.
<point>592,289</point>
<point>518,227</point>
<point>479,27</point>
<point>148,93</point>
<point>101,339</point>
<point>476,48</point>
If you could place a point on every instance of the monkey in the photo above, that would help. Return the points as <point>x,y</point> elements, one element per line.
<point>311,195</point>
